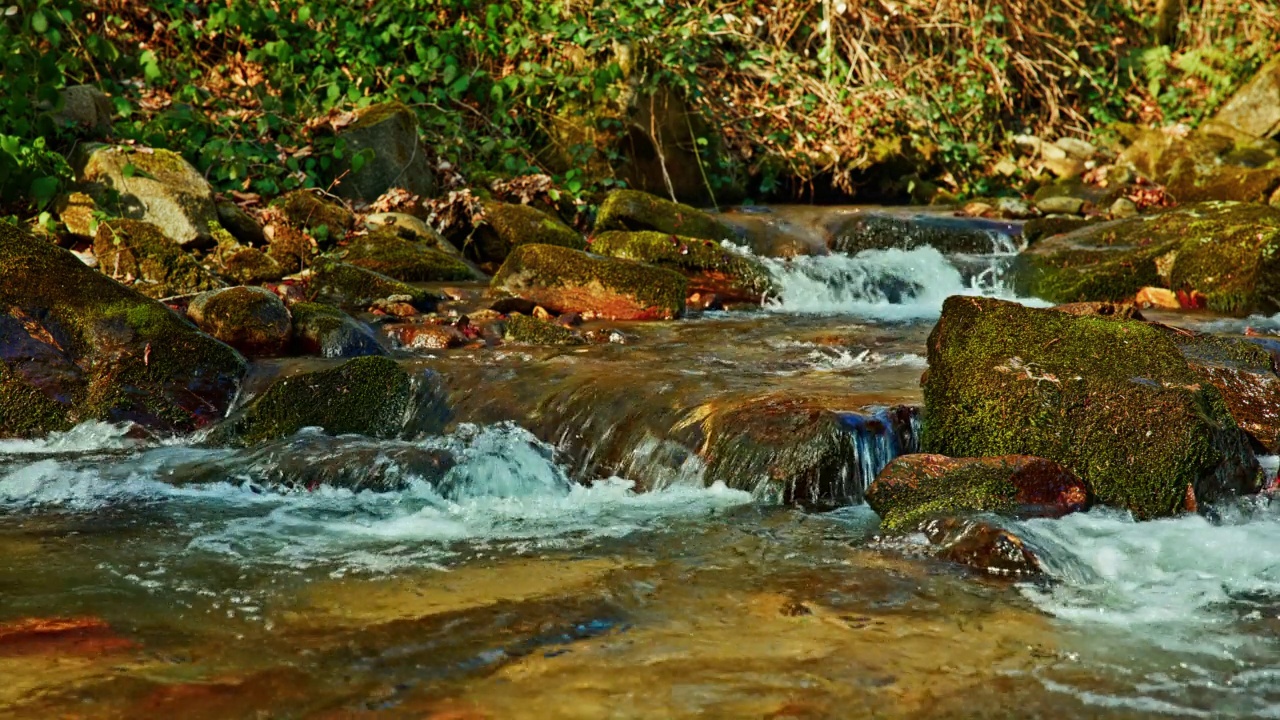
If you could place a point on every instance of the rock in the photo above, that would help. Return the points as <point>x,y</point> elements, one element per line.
<point>390,130</point>
<point>507,226</point>
<point>1014,208</point>
<point>1076,148</point>
<point>1255,108</point>
<point>1122,208</point>
<point>77,346</point>
<point>1244,374</point>
<point>710,267</point>
<point>882,230</point>
<point>328,332</point>
<point>1190,181</point>
<point>77,211</point>
<point>1045,227</point>
<point>914,488</point>
<point>1123,311</point>
<point>1060,204</point>
<point>154,186</point>
<point>1153,153</point>
<point>248,265</point>
<point>139,254</point>
<point>406,226</point>
<point>324,220</point>
<point>414,336</point>
<point>349,286</point>
<point>291,248</point>
<point>534,331</point>
<point>1226,251</point>
<point>1112,400</point>
<point>386,252</point>
<point>84,109</point>
<point>982,546</point>
<point>636,211</point>
<point>250,319</point>
<point>1152,297</point>
<point>367,396</point>
<point>242,226</point>
<point>565,280</point>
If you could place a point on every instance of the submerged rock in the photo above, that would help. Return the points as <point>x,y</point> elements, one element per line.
<point>349,286</point>
<point>637,211</point>
<point>390,132</point>
<point>507,226</point>
<point>1230,252</point>
<point>385,252</point>
<point>367,396</point>
<point>534,331</point>
<point>710,267</point>
<point>982,546</point>
<point>1114,401</point>
<point>565,280</point>
<point>155,186</point>
<point>77,346</point>
<point>915,488</point>
<point>139,254</point>
<point>252,320</point>
<point>328,332</point>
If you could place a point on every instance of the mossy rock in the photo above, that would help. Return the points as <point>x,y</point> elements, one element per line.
<point>390,132</point>
<point>326,331</point>
<point>154,186</point>
<point>384,251</point>
<point>1254,110</point>
<point>1244,374</point>
<point>1040,228</point>
<point>367,396</point>
<point>1114,401</point>
<point>154,264</point>
<point>325,220</point>
<point>914,488</point>
<point>243,227</point>
<point>507,226</point>
<point>637,211</point>
<point>250,319</point>
<point>1191,182</point>
<point>710,267</point>
<point>77,346</point>
<point>870,230</point>
<point>983,546</point>
<point>1231,253</point>
<point>77,211</point>
<point>533,331</point>
<point>291,248</point>
<point>248,265</point>
<point>350,286</point>
<point>565,280</point>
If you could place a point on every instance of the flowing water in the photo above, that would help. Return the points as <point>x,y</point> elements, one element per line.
<point>559,549</point>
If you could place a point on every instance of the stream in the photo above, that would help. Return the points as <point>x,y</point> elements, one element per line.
<point>578,560</point>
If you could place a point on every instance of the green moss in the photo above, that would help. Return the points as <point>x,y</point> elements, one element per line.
<point>635,210</point>
<point>970,488</point>
<point>709,266</point>
<point>880,231</point>
<point>26,411</point>
<point>291,249</point>
<point>369,396</point>
<point>507,226</point>
<point>1192,182</point>
<point>532,331</point>
<point>375,114</point>
<point>307,211</point>
<point>1114,401</point>
<point>384,251</point>
<point>350,286</point>
<point>1231,253</point>
<point>251,319</point>
<point>546,272</point>
<point>158,266</point>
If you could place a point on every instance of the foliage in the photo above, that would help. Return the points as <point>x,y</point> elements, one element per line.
<point>799,92</point>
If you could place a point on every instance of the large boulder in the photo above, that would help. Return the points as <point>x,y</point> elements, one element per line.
<point>390,131</point>
<point>384,251</point>
<point>1244,374</point>
<point>507,226</point>
<point>155,186</point>
<point>1255,108</point>
<point>139,254</point>
<point>634,210</point>
<point>1190,181</point>
<point>1230,252</point>
<point>328,332</point>
<point>853,232</point>
<point>368,396</point>
<point>565,280</point>
<point>77,346</point>
<point>1114,401</point>
<point>920,487</point>
<point>356,288</point>
<point>252,320</point>
<point>710,267</point>
<point>85,110</point>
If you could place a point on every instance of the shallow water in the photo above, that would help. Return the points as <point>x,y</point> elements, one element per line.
<point>572,561</point>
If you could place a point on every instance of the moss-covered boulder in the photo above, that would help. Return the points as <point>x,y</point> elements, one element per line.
<point>1254,110</point>
<point>244,227</point>
<point>154,186</point>
<point>528,330</point>
<point>915,488</point>
<point>1190,181</point>
<point>138,254</point>
<point>291,248</point>
<point>1226,251</point>
<point>247,265</point>
<point>859,230</point>
<point>1244,374</point>
<point>384,251</point>
<point>389,132</point>
<point>323,219</point>
<point>637,211</point>
<point>252,320</point>
<point>565,280</point>
<point>506,226</point>
<point>326,331</point>
<point>1114,401</point>
<point>1043,227</point>
<point>350,286</point>
<point>77,346</point>
<point>368,396</point>
<point>709,266</point>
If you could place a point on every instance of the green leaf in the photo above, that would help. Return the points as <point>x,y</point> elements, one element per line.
<point>43,189</point>
<point>39,22</point>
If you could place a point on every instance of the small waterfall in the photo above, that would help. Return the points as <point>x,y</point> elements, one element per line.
<point>880,435</point>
